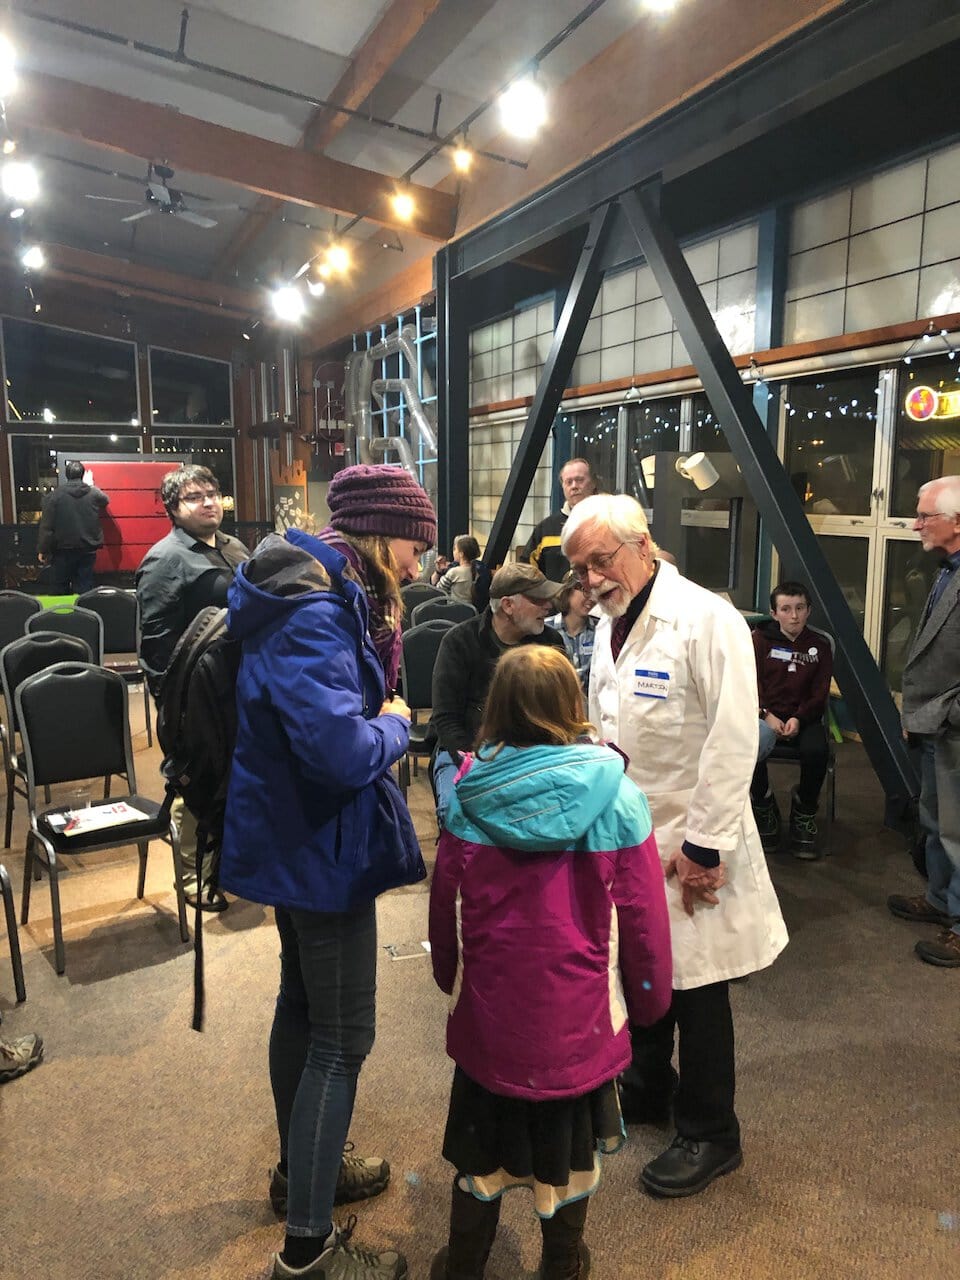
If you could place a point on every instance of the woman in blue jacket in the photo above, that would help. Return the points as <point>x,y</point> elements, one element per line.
<point>316,827</point>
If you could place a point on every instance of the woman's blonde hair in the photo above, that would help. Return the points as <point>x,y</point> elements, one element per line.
<point>534,700</point>
<point>383,572</point>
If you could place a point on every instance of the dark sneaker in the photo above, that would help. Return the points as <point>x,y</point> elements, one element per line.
<point>945,952</point>
<point>803,832</point>
<point>917,909</point>
<point>361,1178</point>
<point>17,1057</point>
<point>766,814</point>
<point>343,1261</point>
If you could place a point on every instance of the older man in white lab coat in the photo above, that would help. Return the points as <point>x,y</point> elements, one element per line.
<point>673,684</point>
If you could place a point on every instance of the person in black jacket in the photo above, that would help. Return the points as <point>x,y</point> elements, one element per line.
<point>70,532</point>
<point>520,600</point>
<point>578,480</point>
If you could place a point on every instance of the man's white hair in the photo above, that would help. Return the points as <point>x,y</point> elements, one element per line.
<point>622,515</point>
<point>947,494</point>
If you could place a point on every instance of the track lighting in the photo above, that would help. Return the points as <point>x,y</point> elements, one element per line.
<point>288,304</point>
<point>337,258</point>
<point>316,288</point>
<point>403,204</point>
<point>462,156</point>
<point>19,181</point>
<point>523,108</point>
<point>33,258</point>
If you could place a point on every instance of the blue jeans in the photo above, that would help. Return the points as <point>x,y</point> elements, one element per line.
<point>322,1030</point>
<point>940,817</point>
<point>445,769</point>
<point>768,740</point>
<point>72,571</point>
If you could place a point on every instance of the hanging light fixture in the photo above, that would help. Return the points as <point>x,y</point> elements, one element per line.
<point>403,204</point>
<point>523,108</point>
<point>337,258</point>
<point>462,155</point>
<point>288,304</point>
<point>33,258</point>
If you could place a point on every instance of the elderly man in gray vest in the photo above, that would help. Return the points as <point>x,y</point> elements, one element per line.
<point>931,716</point>
<point>672,679</point>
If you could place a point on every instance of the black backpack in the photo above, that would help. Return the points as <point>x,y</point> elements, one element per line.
<point>197,732</point>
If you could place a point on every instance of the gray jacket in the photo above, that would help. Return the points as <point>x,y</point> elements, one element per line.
<point>931,677</point>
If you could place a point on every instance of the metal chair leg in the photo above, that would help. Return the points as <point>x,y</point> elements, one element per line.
<point>146,713</point>
<point>13,936</point>
<point>28,878</point>
<point>142,848</point>
<point>178,882</point>
<point>60,959</point>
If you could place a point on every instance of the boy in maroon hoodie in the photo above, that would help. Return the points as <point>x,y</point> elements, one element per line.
<point>794,667</point>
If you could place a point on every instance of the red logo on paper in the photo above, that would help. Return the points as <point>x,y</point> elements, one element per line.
<point>921,403</point>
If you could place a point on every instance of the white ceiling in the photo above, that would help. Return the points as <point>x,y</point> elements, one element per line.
<point>466,50</point>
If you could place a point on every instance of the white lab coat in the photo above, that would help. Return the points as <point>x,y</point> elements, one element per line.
<point>690,731</point>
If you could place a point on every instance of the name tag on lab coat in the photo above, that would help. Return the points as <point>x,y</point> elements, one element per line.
<point>651,684</point>
<point>785,655</point>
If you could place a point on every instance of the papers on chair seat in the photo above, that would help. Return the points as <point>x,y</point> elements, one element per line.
<point>76,822</point>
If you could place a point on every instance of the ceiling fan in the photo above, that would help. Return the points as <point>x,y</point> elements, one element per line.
<point>162,198</point>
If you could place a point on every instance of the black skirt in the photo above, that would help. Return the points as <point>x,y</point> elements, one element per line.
<point>553,1147</point>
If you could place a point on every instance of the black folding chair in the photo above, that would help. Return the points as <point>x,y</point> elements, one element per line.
<point>415,593</point>
<point>70,621</point>
<point>18,661</point>
<point>12,936</point>
<point>120,614</point>
<point>448,610</point>
<point>93,700</point>
<point>15,608</point>
<point>420,647</point>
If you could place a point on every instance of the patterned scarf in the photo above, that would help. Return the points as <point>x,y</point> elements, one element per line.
<point>384,626</point>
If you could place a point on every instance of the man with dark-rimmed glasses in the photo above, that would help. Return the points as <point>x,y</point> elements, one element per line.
<point>931,717</point>
<point>190,568</point>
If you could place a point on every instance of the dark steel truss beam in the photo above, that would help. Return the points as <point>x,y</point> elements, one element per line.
<point>453,404</point>
<point>843,51</point>
<point>580,298</point>
<point>860,680</point>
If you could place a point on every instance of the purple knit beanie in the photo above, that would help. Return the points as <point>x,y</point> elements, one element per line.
<point>384,501</point>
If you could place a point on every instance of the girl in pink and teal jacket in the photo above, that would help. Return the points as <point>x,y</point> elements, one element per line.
<point>548,928</point>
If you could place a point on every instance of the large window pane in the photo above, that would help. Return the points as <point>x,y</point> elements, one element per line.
<point>831,429</point>
<point>928,429</point>
<point>58,375</point>
<point>35,464</point>
<point>594,437</point>
<point>215,452</point>
<point>847,557</point>
<point>189,389</point>
<point>909,576</point>
<point>653,426</point>
<point>706,433</point>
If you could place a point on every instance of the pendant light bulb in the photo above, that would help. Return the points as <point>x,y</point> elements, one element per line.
<point>462,156</point>
<point>288,304</point>
<point>523,108</point>
<point>403,204</point>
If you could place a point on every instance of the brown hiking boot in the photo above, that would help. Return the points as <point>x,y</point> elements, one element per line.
<point>945,952</point>
<point>916,909</point>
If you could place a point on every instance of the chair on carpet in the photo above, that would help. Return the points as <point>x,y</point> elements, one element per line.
<point>15,608</point>
<point>89,696</point>
<point>419,656</point>
<point>18,661</point>
<point>120,614</point>
<point>449,610</point>
<point>69,620</point>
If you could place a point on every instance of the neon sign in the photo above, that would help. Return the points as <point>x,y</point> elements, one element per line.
<point>923,403</point>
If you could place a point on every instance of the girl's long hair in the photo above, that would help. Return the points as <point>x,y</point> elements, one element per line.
<point>382,570</point>
<point>534,700</point>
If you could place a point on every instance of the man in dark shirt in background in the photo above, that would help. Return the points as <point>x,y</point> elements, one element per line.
<point>190,568</point>
<point>70,532</point>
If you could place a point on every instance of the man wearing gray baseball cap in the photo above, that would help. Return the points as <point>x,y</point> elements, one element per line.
<point>520,599</point>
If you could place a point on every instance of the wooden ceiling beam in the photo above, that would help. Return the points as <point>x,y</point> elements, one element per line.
<point>115,275</point>
<point>137,128</point>
<point>402,21</point>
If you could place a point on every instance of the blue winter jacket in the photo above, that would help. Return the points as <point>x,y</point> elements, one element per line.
<point>314,820</point>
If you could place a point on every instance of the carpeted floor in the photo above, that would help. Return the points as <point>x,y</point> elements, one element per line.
<point>139,1150</point>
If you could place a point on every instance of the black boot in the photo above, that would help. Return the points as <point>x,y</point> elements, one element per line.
<point>803,830</point>
<point>473,1225</point>
<point>565,1256</point>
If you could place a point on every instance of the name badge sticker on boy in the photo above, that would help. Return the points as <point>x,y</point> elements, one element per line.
<point>651,684</point>
<point>784,655</point>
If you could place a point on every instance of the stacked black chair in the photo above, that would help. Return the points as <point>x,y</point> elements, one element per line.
<point>15,608</point>
<point>447,610</point>
<point>67,620</point>
<point>94,700</point>
<point>415,593</point>
<point>420,647</point>
<point>120,614</point>
<point>18,661</point>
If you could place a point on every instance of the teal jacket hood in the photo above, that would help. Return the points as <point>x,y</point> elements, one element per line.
<point>540,798</point>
